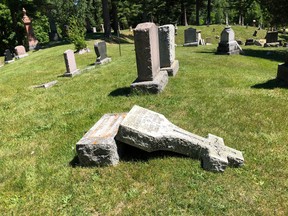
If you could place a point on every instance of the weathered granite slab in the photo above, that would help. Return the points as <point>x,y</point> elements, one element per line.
<point>98,146</point>
<point>151,131</point>
<point>167,49</point>
<point>20,52</point>
<point>70,63</point>
<point>47,85</point>
<point>101,53</point>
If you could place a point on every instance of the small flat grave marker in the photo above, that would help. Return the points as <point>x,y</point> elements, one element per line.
<point>47,85</point>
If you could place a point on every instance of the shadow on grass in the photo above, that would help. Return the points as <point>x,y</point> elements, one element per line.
<point>125,91</point>
<point>274,55</point>
<point>129,153</point>
<point>271,84</point>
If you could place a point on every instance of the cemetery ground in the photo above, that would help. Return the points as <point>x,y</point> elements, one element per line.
<point>235,97</point>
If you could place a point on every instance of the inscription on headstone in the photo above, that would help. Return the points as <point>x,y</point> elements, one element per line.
<point>101,53</point>
<point>151,131</point>
<point>70,62</point>
<point>150,79</point>
<point>167,50</point>
<point>98,146</point>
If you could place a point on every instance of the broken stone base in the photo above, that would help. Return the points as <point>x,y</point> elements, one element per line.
<point>282,73</point>
<point>154,87</point>
<point>172,71</point>
<point>103,61</point>
<point>151,131</point>
<point>228,48</point>
<point>72,74</point>
<point>21,56</point>
<point>275,44</point>
<point>98,146</point>
<point>10,61</point>
<point>191,44</point>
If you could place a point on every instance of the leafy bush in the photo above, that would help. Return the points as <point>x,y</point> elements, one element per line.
<point>76,33</point>
<point>41,28</point>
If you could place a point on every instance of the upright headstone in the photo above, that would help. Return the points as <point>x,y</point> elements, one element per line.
<point>151,131</point>
<point>150,79</point>
<point>94,30</point>
<point>8,56</point>
<point>271,39</point>
<point>70,62</point>
<point>190,37</point>
<point>282,73</point>
<point>167,50</point>
<point>98,146</point>
<point>29,31</point>
<point>228,44</point>
<point>20,52</point>
<point>102,27</point>
<point>101,53</point>
<point>255,33</point>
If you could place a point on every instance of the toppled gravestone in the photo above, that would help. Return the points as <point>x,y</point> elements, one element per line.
<point>151,131</point>
<point>98,146</point>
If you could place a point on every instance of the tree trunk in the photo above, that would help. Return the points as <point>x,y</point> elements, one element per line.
<point>197,12</point>
<point>106,18</point>
<point>183,14</point>
<point>114,16</point>
<point>208,12</point>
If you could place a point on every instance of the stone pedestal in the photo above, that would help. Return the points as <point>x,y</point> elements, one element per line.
<point>167,50</point>
<point>150,79</point>
<point>271,39</point>
<point>98,146</point>
<point>101,53</point>
<point>228,44</point>
<point>71,68</point>
<point>151,131</point>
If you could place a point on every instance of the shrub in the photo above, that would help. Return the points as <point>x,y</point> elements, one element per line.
<point>41,28</point>
<point>76,33</point>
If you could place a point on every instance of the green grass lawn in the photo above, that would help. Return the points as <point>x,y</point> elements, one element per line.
<point>234,97</point>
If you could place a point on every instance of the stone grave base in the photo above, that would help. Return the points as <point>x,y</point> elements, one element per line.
<point>228,48</point>
<point>275,44</point>
<point>191,44</point>
<point>21,56</point>
<point>260,42</point>
<point>47,85</point>
<point>8,62</point>
<point>172,71</point>
<point>103,61</point>
<point>72,74</point>
<point>98,146</point>
<point>282,73</point>
<point>154,87</point>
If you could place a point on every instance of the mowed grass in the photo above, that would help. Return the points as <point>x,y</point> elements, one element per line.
<point>234,97</point>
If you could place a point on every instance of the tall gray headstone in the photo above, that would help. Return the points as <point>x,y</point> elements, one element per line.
<point>101,53</point>
<point>98,146</point>
<point>150,79</point>
<point>8,56</point>
<point>70,62</point>
<point>20,52</point>
<point>190,37</point>
<point>151,131</point>
<point>228,44</point>
<point>167,49</point>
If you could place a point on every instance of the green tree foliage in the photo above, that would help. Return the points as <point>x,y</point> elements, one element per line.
<point>76,33</point>
<point>41,28</point>
<point>7,35</point>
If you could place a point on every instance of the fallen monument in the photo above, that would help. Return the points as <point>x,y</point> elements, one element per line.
<point>151,131</point>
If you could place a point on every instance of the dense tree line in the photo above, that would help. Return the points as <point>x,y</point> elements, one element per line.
<point>52,17</point>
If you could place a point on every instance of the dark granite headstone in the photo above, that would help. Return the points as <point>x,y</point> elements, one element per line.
<point>9,57</point>
<point>101,53</point>
<point>190,37</point>
<point>255,33</point>
<point>228,44</point>
<point>249,42</point>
